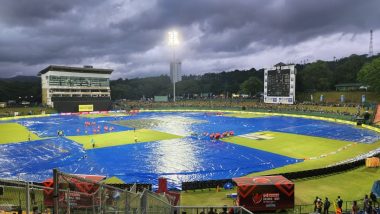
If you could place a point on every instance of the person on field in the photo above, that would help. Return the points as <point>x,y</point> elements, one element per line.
<point>319,205</point>
<point>369,208</point>
<point>224,210</point>
<point>355,208</point>
<point>373,199</point>
<point>339,202</point>
<point>365,202</point>
<point>326,206</point>
<point>315,203</point>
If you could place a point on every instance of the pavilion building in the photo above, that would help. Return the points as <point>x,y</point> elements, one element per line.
<point>73,89</point>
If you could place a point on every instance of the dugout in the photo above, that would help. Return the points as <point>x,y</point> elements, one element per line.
<point>265,193</point>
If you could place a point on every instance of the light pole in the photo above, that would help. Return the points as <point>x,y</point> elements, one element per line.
<point>173,42</point>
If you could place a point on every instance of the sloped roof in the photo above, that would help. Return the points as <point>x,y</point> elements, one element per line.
<point>261,180</point>
<point>75,69</point>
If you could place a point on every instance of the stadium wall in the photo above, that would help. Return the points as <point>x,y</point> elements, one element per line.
<point>193,185</point>
<point>71,104</point>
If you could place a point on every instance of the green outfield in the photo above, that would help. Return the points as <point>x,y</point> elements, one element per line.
<point>351,185</point>
<point>113,180</point>
<point>304,147</point>
<point>14,133</point>
<point>207,197</point>
<point>121,138</point>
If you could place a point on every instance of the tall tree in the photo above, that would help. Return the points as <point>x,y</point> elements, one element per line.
<point>346,69</point>
<point>317,76</point>
<point>252,86</point>
<point>370,75</point>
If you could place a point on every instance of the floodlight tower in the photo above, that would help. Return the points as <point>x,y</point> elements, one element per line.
<point>370,53</point>
<point>173,43</point>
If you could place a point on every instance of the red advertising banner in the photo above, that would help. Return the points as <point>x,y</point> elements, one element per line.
<point>79,193</point>
<point>265,193</point>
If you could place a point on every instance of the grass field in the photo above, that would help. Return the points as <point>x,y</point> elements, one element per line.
<point>121,138</point>
<point>292,145</point>
<point>12,196</point>
<point>113,180</point>
<point>302,146</point>
<point>351,185</point>
<point>14,133</point>
<point>207,197</point>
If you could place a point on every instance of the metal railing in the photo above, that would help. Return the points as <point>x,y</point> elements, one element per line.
<point>210,209</point>
<point>310,208</point>
<point>22,196</point>
<point>74,194</point>
<point>28,197</point>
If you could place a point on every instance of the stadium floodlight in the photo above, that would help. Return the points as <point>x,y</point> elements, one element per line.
<point>173,38</point>
<point>173,42</point>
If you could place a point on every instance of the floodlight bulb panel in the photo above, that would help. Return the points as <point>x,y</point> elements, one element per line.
<point>173,38</point>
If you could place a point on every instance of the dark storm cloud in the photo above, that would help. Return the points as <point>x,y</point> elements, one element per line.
<point>232,25</point>
<point>129,36</point>
<point>26,12</point>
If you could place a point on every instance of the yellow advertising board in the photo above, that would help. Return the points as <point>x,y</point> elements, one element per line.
<point>86,108</point>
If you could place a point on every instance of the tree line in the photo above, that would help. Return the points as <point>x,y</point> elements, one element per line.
<point>315,76</point>
<point>311,77</point>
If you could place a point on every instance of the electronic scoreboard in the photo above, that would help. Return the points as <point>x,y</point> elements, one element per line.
<point>280,84</point>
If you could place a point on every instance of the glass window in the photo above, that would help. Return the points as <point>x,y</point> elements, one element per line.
<point>78,81</point>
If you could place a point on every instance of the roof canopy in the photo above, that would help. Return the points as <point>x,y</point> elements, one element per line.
<point>93,178</point>
<point>349,85</point>
<point>86,69</point>
<point>261,180</point>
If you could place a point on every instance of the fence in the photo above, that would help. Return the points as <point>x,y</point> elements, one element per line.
<point>209,184</point>
<point>346,207</point>
<point>20,195</point>
<point>78,194</point>
<point>209,209</point>
<point>298,209</point>
<point>68,194</point>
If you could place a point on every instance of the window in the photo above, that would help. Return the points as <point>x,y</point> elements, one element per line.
<point>78,81</point>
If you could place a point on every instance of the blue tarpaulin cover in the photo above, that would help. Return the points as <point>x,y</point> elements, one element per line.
<point>191,158</point>
<point>376,188</point>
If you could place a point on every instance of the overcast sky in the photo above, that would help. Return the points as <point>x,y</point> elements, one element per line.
<point>215,35</point>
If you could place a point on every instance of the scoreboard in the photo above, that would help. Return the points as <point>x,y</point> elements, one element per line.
<point>280,84</point>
